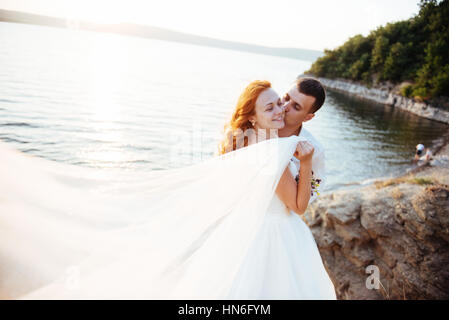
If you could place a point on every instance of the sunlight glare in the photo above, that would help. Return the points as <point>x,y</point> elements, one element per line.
<point>108,61</point>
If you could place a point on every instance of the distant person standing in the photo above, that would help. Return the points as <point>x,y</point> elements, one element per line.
<point>422,153</point>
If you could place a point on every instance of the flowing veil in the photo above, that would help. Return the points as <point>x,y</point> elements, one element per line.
<point>72,232</point>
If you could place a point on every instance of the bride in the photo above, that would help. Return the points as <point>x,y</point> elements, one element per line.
<point>215,230</point>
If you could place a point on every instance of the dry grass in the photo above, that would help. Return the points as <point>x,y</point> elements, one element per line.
<point>386,291</point>
<point>395,181</point>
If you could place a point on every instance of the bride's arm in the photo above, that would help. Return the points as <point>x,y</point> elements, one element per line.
<point>295,195</point>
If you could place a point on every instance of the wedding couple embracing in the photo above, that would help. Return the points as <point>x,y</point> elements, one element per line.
<point>229,227</point>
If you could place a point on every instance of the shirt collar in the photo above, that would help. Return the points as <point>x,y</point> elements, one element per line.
<point>302,132</point>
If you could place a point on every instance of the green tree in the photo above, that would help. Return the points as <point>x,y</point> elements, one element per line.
<point>398,59</point>
<point>379,53</point>
<point>416,50</point>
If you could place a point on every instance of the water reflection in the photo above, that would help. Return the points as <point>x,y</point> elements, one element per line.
<point>366,140</point>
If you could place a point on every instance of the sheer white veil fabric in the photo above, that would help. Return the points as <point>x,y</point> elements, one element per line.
<point>79,233</point>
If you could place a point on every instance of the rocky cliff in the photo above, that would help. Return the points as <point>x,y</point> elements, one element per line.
<point>400,226</point>
<point>386,95</point>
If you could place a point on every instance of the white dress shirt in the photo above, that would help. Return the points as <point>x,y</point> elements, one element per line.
<point>318,163</point>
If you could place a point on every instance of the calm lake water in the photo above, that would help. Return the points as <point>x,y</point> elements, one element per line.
<point>110,101</point>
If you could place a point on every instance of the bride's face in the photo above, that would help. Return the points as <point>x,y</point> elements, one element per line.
<point>269,111</point>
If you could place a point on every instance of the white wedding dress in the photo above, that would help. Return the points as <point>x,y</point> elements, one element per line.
<point>283,261</point>
<point>215,230</point>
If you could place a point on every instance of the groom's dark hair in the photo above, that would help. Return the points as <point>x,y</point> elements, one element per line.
<point>314,88</point>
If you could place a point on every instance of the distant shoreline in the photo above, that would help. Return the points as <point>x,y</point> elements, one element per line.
<point>387,97</point>
<point>157,33</point>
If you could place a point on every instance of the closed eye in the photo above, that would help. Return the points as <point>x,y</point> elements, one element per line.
<point>297,106</point>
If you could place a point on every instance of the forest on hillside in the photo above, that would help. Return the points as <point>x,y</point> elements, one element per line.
<point>414,52</point>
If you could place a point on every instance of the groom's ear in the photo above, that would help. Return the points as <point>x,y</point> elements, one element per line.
<point>308,117</point>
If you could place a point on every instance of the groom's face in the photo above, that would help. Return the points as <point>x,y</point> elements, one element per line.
<point>297,107</point>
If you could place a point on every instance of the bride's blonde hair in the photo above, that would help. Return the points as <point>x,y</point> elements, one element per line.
<point>246,107</point>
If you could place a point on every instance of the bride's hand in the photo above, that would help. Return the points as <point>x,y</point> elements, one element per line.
<point>304,151</point>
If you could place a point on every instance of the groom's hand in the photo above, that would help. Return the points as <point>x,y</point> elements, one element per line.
<point>304,151</point>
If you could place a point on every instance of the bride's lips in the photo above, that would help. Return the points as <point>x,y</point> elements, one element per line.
<point>280,118</point>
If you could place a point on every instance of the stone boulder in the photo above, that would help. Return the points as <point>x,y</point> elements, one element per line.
<point>401,229</point>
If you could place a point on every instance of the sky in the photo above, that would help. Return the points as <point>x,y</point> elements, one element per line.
<point>309,24</point>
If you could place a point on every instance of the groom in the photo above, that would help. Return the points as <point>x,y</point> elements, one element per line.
<point>302,101</point>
